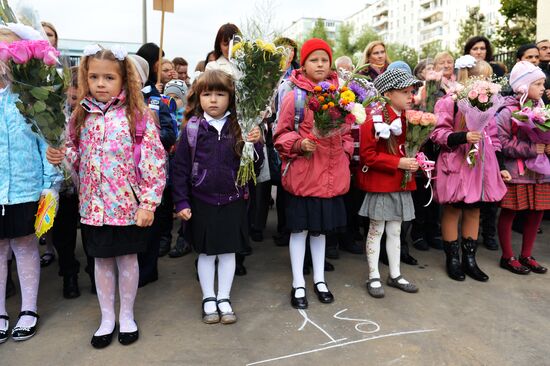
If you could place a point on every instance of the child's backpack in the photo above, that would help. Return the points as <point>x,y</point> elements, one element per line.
<point>154,103</point>
<point>300,97</point>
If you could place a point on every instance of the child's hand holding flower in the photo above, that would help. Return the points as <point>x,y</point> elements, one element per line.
<point>254,135</point>
<point>547,149</point>
<point>473,137</point>
<point>55,156</point>
<point>540,148</point>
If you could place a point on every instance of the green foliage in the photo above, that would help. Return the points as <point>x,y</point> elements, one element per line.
<point>430,49</point>
<point>472,25</point>
<point>403,52</point>
<point>520,26</point>
<point>320,31</point>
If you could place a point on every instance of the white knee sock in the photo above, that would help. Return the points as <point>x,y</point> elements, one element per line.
<point>297,247</point>
<point>317,245</point>
<point>128,279</point>
<point>4,250</point>
<point>27,256</point>
<point>206,267</point>
<point>393,247</point>
<point>105,282</point>
<point>376,229</point>
<point>226,272</point>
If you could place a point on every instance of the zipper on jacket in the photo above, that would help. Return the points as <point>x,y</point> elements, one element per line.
<point>3,210</point>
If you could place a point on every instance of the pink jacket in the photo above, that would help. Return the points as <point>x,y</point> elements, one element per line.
<point>109,193</point>
<point>326,172</point>
<point>455,180</point>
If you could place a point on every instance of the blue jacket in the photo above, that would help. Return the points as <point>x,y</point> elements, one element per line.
<point>24,170</point>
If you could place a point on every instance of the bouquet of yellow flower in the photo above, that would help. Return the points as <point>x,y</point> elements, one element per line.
<point>261,67</point>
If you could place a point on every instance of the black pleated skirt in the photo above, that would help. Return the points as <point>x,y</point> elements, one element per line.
<point>219,229</point>
<point>17,220</point>
<point>112,241</point>
<point>317,215</point>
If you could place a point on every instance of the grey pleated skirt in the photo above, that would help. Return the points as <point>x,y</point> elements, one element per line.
<point>395,206</point>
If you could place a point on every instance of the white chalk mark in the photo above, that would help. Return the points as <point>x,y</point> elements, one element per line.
<point>361,322</point>
<point>307,320</point>
<point>335,341</point>
<point>342,345</point>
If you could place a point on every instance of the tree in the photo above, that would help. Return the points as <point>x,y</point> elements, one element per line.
<point>320,31</point>
<point>430,49</point>
<point>403,52</point>
<point>520,25</point>
<point>472,25</point>
<point>261,24</point>
<point>344,46</point>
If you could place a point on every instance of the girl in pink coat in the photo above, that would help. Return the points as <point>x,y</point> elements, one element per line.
<point>317,182</point>
<point>460,188</point>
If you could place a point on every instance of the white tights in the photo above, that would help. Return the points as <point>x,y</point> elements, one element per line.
<point>105,279</point>
<point>206,268</point>
<point>27,256</point>
<point>393,247</point>
<point>297,247</point>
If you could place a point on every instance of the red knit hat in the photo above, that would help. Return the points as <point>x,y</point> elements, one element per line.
<point>312,45</point>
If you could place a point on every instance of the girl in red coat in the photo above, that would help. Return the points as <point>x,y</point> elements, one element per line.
<point>317,182</point>
<point>385,203</point>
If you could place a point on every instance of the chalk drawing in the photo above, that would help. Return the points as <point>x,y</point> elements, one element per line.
<point>371,327</point>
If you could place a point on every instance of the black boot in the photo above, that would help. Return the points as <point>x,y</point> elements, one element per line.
<point>406,257</point>
<point>70,287</point>
<point>469,265</point>
<point>453,260</point>
<point>10,285</point>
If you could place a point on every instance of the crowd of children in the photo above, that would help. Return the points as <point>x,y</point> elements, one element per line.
<point>147,148</point>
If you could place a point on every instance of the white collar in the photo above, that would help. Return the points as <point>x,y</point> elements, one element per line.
<point>211,119</point>
<point>398,113</point>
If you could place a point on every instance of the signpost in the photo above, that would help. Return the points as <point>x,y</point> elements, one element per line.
<point>163,6</point>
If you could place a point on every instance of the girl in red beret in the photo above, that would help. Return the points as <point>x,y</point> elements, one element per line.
<point>315,172</point>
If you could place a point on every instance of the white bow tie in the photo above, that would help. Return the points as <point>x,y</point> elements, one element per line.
<point>384,130</point>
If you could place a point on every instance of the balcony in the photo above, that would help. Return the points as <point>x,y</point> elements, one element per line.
<point>425,3</point>
<point>380,21</point>
<point>381,9</point>
<point>427,27</point>
<point>430,12</point>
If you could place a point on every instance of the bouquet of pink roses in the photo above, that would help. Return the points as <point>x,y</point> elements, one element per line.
<point>432,87</point>
<point>534,121</point>
<point>40,87</point>
<point>419,127</point>
<point>478,99</point>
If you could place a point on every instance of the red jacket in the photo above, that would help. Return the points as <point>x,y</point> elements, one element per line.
<point>382,174</point>
<point>326,172</point>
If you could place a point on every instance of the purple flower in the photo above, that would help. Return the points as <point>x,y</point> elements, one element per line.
<point>359,90</point>
<point>325,85</point>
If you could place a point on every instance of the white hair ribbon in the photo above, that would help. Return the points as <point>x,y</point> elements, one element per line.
<point>118,51</point>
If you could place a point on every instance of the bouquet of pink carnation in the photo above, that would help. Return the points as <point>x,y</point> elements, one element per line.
<point>534,121</point>
<point>419,127</point>
<point>40,87</point>
<point>478,99</point>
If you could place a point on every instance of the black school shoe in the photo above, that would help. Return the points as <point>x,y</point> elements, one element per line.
<point>70,287</point>
<point>298,302</point>
<point>127,338</point>
<point>324,297</point>
<point>24,333</point>
<point>4,335</point>
<point>103,341</point>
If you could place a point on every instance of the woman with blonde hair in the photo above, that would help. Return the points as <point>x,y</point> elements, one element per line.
<point>376,57</point>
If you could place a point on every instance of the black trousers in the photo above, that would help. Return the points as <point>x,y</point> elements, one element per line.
<point>427,222</point>
<point>148,260</point>
<point>488,217</point>
<point>353,200</point>
<point>281,209</point>
<point>64,232</point>
<point>260,196</point>
<point>166,213</point>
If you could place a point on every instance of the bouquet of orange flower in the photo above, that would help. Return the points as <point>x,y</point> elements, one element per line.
<point>419,127</point>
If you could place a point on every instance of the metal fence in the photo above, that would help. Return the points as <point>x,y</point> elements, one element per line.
<point>507,58</point>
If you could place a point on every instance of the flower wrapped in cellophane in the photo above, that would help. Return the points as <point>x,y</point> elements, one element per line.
<point>534,121</point>
<point>260,68</point>
<point>478,99</point>
<point>41,88</point>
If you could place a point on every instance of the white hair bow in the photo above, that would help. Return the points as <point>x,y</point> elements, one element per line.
<point>384,130</point>
<point>118,51</point>
<point>465,62</point>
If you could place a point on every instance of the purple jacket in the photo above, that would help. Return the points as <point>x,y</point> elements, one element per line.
<point>516,146</point>
<point>455,180</point>
<point>212,176</point>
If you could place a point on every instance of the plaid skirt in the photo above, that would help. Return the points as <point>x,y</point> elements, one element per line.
<point>527,197</point>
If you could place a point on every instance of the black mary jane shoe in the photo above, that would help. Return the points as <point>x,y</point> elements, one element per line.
<point>533,265</point>
<point>24,333</point>
<point>4,334</point>
<point>103,341</point>
<point>324,297</point>
<point>298,302</point>
<point>127,338</point>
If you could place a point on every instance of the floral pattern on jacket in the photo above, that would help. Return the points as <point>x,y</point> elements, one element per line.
<point>109,191</point>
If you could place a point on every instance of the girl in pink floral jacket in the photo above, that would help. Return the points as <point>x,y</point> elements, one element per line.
<point>114,145</point>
